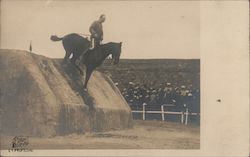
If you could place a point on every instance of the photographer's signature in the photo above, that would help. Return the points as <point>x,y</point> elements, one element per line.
<point>20,144</point>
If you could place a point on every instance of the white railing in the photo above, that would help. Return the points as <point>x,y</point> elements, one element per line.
<point>163,112</point>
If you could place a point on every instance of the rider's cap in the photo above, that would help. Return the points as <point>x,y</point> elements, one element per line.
<point>102,16</point>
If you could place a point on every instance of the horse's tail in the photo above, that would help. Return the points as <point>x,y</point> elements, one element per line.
<point>55,38</point>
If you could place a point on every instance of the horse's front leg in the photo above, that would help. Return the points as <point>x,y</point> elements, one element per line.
<point>88,74</point>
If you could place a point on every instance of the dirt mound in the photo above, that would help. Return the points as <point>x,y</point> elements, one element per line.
<point>43,97</point>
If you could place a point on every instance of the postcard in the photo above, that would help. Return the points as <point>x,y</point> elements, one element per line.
<point>124,78</point>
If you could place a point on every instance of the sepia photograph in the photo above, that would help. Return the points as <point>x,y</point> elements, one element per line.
<point>107,75</point>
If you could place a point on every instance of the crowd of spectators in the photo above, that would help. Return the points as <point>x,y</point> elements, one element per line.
<point>180,97</point>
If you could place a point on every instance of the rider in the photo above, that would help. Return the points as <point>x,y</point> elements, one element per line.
<point>96,31</point>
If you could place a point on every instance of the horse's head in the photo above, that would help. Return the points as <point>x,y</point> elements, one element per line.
<point>117,52</point>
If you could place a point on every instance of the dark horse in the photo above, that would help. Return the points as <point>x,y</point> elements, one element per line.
<point>79,47</point>
<point>73,44</point>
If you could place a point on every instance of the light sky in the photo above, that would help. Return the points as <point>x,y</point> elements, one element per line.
<point>148,29</point>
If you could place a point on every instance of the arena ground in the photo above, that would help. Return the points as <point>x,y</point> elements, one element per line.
<point>143,135</point>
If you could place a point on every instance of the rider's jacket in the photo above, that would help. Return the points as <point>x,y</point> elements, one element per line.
<point>96,30</point>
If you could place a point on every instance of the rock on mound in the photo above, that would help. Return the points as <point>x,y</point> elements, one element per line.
<point>43,97</point>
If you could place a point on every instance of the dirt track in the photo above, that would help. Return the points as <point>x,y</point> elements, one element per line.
<point>144,135</point>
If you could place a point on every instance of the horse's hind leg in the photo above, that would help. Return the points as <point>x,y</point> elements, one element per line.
<point>73,61</point>
<point>66,57</point>
<point>78,68</point>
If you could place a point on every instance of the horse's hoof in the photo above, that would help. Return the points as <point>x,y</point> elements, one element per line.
<point>85,89</point>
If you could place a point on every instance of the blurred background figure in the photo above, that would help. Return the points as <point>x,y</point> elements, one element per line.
<point>30,48</point>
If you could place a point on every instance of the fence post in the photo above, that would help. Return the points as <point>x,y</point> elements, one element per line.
<point>143,111</point>
<point>186,117</point>
<point>162,113</point>
<point>182,117</point>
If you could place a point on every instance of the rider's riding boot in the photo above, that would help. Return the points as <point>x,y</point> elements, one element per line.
<point>92,45</point>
